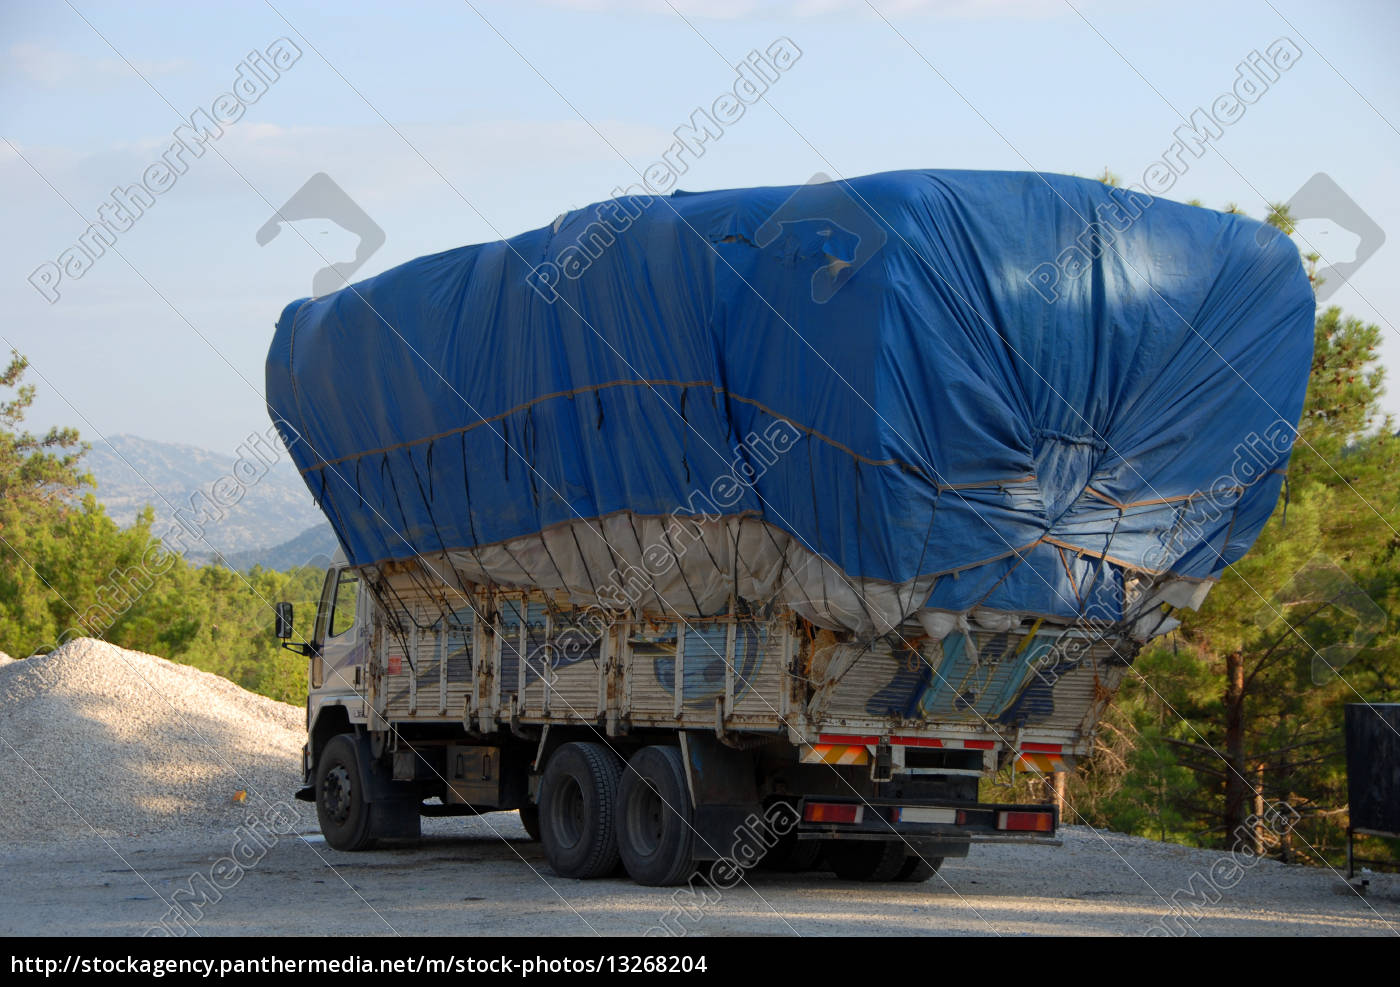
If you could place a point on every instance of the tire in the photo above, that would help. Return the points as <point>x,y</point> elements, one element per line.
<point>530,819</point>
<point>791,855</point>
<point>807,856</point>
<point>578,810</point>
<point>341,808</point>
<point>348,821</point>
<point>866,860</point>
<point>916,870</point>
<point>655,829</point>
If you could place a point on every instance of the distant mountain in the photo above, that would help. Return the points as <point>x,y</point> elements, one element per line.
<point>246,500</point>
<point>313,548</point>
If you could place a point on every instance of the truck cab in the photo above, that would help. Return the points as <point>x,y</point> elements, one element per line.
<point>337,661</point>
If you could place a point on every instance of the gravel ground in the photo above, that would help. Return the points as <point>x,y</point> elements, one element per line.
<point>483,877</point>
<point>120,776</point>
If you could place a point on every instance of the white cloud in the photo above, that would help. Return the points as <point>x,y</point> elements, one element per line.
<point>44,65</point>
<point>52,67</point>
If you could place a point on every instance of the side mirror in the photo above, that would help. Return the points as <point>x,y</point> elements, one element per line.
<point>284,621</point>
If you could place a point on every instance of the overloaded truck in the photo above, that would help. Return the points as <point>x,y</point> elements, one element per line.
<point>794,511</point>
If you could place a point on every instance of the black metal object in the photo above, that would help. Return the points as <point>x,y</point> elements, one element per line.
<point>1373,771</point>
<point>284,629</point>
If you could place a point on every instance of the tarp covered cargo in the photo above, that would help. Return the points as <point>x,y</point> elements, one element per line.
<point>921,393</point>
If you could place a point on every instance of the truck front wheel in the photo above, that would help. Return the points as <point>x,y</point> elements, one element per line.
<point>341,807</point>
<point>655,831</point>
<point>351,817</point>
<point>578,810</point>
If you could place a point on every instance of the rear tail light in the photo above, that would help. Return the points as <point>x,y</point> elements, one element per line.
<point>833,812</point>
<point>1026,822</point>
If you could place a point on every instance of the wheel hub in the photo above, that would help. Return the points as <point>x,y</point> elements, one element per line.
<point>337,794</point>
<point>570,813</point>
<point>647,819</point>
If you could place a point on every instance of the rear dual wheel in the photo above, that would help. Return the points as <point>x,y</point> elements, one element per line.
<point>918,869</point>
<point>655,832</point>
<point>593,812</point>
<point>578,810</point>
<point>789,855</point>
<point>866,860</point>
<point>879,861</point>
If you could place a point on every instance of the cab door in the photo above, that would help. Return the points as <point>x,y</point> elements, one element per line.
<point>340,648</point>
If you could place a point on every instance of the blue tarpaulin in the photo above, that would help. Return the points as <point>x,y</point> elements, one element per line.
<point>1005,390</point>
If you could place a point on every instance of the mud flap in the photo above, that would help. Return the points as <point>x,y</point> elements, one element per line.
<point>724,791</point>
<point>394,814</point>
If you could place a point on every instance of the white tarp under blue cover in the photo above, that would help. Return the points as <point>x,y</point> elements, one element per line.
<point>936,391</point>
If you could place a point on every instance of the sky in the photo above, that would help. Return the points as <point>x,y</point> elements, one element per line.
<point>455,123</point>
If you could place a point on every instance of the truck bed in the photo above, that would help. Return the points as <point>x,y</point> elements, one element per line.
<point>494,658</point>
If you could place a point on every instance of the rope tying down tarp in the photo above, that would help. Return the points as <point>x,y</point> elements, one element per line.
<point>1092,441</point>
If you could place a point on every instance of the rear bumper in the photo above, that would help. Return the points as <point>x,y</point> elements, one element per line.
<point>919,819</point>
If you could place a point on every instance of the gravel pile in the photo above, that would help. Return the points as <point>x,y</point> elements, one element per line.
<point>134,745</point>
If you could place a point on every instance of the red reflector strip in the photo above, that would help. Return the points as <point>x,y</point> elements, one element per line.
<point>1043,748</point>
<point>1026,822</point>
<point>972,745</point>
<point>833,812</point>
